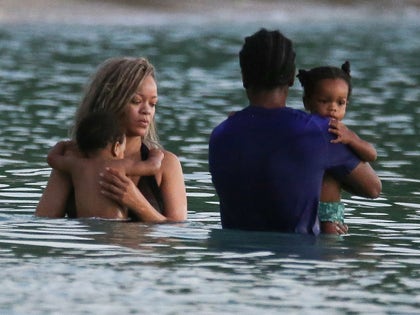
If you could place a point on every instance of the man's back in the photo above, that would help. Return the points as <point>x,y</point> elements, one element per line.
<point>267,167</point>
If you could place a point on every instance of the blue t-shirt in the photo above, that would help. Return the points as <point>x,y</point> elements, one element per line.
<point>267,167</point>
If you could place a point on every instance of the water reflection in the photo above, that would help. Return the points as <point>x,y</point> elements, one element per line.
<point>280,245</point>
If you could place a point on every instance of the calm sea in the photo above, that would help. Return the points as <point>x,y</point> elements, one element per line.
<point>65,266</point>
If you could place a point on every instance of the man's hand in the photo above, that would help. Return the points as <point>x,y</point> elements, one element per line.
<point>329,227</point>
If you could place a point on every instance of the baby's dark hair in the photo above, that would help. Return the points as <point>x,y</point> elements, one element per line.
<point>309,79</point>
<point>267,60</point>
<point>97,130</point>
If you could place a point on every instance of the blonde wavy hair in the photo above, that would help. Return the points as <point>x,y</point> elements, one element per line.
<point>112,88</point>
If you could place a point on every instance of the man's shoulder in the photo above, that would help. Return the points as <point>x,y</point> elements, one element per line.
<point>318,121</point>
<point>308,116</point>
<point>293,116</point>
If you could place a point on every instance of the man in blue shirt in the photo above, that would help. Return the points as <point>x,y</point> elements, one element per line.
<point>267,161</point>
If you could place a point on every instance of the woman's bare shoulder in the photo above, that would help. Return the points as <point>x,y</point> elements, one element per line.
<point>171,165</point>
<point>170,159</point>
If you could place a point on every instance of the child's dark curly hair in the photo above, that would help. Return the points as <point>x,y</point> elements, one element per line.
<point>310,78</point>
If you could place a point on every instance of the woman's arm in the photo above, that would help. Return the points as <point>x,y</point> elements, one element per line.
<point>172,187</point>
<point>54,198</point>
<point>121,189</point>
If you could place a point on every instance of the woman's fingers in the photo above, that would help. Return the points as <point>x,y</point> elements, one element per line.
<point>113,177</point>
<point>117,186</point>
<point>112,182</point>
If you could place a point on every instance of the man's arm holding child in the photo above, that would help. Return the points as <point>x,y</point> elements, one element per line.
<point>362,181</point>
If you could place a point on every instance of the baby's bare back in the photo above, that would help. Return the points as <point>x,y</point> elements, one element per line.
<point>89,200</point>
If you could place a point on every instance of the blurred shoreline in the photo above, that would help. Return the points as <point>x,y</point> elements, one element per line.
<point>158,11</point>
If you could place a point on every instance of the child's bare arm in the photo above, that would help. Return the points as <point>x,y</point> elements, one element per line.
<point>362,148</point>
<point>60,156</point>
<point>147,167</point>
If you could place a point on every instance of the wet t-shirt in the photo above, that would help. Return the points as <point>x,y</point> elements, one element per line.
<point>267,167</point>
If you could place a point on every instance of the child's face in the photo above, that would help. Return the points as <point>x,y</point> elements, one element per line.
<point>329,99</point>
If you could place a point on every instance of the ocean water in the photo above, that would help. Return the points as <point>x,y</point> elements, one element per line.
<point>65,266</point>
